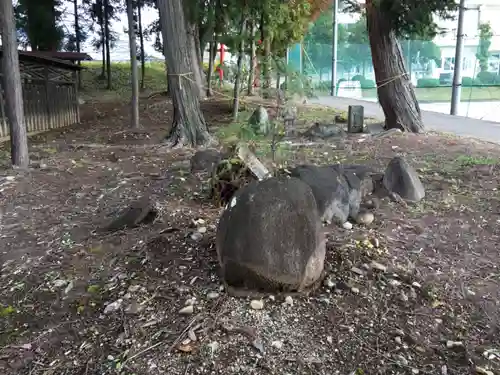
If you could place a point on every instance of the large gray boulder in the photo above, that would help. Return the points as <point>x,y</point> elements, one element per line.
<point>401,178</point>
<point>270,237</point>
<point>338,189</point>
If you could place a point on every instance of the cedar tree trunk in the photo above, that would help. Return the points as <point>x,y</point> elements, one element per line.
<point>237,81</point>
<point>12,86</point>
<point>395,92</point>
<point>133,66</point>
<point>189,127</point>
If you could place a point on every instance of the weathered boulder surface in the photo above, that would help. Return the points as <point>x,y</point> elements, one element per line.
<point>205,160</point>
<point>338,190</point>
<point>259,121</point>
<point>401,178</point>
<point>270,237</point>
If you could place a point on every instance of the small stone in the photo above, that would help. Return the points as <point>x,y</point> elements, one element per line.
<point>114,306</point>
<point>213,347</point>
<point>134,288</point>
<point>289,300</point>
<point>187,310</point>
<point>402,360</point>
<point>375,242</point>
<point>365,218</point>
<point>277,344</point>
<point>378,266</point>
<point>213,295</point>
<point>483,371</point>
<point>403,297</point>
<point>196,236</point>
<point>202,230</point>
<point>398,340</point>
<point>59,283</point>
<point>192,335</point>
<point>329,339</point>
<point>394,282</point>
<point>357,271</point>
<point>419,349</point>
<point>347,225</point>
<point>190,301</point>
<point>355,290</point>
<point>415,371</point>
<point>454,344</point>
<point>416,285</point>
<point>257,304</point>
<point>329,283</point>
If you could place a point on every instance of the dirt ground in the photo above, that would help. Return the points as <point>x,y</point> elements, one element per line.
<point>74,301</point>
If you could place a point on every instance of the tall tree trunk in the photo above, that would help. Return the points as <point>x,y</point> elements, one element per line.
<point>395,92</point>
<point>253,61</point>
<point>106,38</point>
<point>237,81</point>
<point>141,40</point>
<point>133,66</point>
<point>12,87</point>
<point>77,36</point>
<point>197,72</point>
<point>189,127</point>
<point>211,58</point>
<point>103,44</point>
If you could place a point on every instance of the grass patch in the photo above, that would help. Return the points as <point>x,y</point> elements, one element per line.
<point>470,161</point>
<point>443,94</point>
<point>94,85</point>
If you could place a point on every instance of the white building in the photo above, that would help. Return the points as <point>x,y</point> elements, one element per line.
<point>478,12</point>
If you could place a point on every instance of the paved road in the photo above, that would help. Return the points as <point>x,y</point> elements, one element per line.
<point>462,126</point>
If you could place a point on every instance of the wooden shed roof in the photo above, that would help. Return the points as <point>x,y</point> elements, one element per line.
<point>46,60</point>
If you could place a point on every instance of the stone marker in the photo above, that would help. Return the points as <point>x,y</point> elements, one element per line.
<point>252,162</point>
<point>401,178</point>
<point>259,121</point>
<point>270,237</point>
<point>356,119</point>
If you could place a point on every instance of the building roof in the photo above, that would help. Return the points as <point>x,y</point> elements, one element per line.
<point>72,56</point>
<point>44,58</point>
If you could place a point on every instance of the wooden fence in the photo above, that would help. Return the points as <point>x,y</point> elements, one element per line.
<point>49,93</point>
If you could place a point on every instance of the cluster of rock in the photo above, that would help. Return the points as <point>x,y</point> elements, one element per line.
<point>270,234</point>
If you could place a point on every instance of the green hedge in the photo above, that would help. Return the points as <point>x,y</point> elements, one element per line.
<point>488,78</point>
<point>428,82</point>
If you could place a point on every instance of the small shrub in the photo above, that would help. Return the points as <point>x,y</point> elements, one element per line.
<point>467,81</point>
<point>368,84</point>
<point>358,77</point>
<point>428,82</point>
<point>488,78</point>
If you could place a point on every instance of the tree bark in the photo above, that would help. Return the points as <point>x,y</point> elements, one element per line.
<point>197,63</point>
<point>189,127</point>
<point>251,70</point>
<point>211,58</point>
<point>237,81</point>
<point>12,87</point>
<point>395,92</point>
<point>141,40</point>
<point>77,36</point>
<point>133,67</point>
<point>103,44</point>
<point>108,49</point>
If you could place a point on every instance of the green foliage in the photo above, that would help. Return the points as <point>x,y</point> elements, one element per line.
<point>421,50</point>
<point>483,49</point>
<point>358,77</point>
<point>488,78</point>
<point>410,18</point>
<point>428,82</point>
<point>368,84</point>
<point>467,81</point>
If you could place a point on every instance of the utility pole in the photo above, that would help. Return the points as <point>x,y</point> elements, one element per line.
<point>335,37</point>
<point>457,74</point>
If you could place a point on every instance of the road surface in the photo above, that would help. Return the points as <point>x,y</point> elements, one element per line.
<point>462,126</point>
